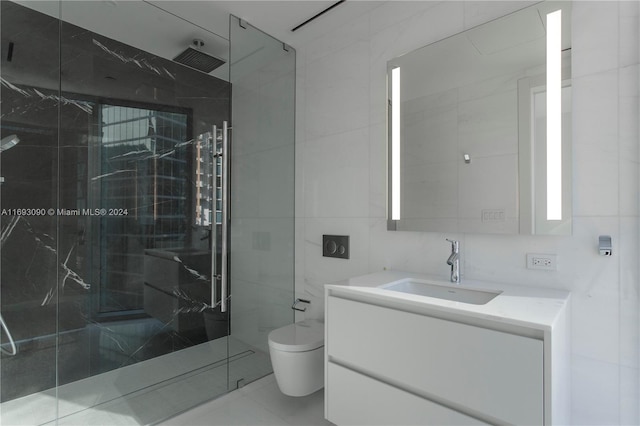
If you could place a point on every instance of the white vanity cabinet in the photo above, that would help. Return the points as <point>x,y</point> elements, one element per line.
<point>390,362</point>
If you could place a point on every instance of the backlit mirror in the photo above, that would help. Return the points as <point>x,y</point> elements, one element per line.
<point>480,128</point>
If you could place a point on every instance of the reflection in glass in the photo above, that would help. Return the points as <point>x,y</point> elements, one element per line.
<point>467,125</point>
<point>106,289</point>
<point>142,180</point>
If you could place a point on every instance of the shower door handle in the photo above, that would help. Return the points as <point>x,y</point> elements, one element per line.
<point>225,215</point>
<point>213,235</point>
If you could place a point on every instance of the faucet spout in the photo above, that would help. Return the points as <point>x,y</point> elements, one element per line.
<point>454,261</point>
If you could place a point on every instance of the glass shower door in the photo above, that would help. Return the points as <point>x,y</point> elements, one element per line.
<point>112,193</point>
<point>262,224</point>
<point>141,163</point>
<point>108,243</point>
<point>29,255</point>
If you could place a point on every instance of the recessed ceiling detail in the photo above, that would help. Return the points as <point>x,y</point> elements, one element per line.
<point>317,15</point>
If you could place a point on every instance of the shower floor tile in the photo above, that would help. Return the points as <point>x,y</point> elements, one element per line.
<point>144,393</point>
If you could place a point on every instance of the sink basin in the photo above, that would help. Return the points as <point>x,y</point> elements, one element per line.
<point>447,292</point>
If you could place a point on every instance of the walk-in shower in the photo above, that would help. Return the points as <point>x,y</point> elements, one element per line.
<point>147,210</point>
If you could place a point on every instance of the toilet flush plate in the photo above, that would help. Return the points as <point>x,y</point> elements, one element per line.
<point>335,246</point>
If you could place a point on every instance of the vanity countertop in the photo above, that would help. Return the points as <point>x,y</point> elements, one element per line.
<point>534,307</point>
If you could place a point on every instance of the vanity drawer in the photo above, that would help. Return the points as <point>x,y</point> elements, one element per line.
<point>355,399</point>
<point>489,374</point>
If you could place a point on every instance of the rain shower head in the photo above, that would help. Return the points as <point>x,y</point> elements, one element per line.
<point>193,57</point>
<point>8,142</point>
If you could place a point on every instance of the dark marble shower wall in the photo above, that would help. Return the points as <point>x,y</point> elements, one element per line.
<point>53,91</point>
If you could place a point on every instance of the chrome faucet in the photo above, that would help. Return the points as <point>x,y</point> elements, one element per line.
<point>454,261</point>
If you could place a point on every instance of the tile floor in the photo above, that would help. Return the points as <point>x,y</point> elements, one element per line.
<point>258,403</point>
<point>143,393</point>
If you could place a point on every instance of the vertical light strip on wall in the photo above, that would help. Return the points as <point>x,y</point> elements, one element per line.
<point>395,143</point>
<point>554,115</point>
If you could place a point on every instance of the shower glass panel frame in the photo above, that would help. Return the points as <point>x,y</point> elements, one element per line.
<point>119,149</point>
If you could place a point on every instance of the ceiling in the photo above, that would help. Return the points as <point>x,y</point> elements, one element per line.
<point>166,27</point>
<point>277,18</point>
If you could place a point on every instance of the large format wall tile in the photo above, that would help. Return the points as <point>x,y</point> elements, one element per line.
<point>595,144</point>
<point>332,162</point>
<point>594,51</point>
<point>339,87</point>
<point>595,396</point>
<point>606,182</point>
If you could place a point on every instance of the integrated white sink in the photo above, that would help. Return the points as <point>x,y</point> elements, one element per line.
<point>447,292</point>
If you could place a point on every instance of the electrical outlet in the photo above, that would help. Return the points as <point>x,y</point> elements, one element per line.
<point>547,262</point>
<point>493,215</point>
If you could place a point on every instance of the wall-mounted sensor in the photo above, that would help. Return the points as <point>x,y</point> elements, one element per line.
<point>467,158</point>
<point>604,245</point>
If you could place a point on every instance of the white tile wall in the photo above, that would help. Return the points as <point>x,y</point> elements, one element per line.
<point>341,173</point>
<point>339,160</point>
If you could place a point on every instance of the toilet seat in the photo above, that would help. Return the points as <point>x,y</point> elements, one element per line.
<point>301,336</point>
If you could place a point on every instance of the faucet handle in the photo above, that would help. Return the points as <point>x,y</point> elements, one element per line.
<point>454,244</point>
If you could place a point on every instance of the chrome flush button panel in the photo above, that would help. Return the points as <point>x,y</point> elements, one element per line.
<point>335,246</point>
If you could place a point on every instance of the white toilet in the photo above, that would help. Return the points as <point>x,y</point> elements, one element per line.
<point>297,357</point>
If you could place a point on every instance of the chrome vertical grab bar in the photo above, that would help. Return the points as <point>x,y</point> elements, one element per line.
<point>225,213</point>
<point>212,212</point>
